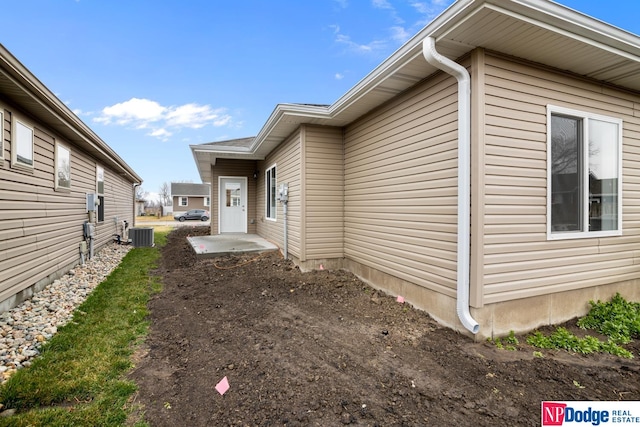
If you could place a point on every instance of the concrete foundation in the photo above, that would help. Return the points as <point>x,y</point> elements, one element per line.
<point>27,293</point>
<point>498,319</point>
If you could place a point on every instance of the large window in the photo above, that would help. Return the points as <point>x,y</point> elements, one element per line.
<point>584,176</point>
<point>22,148</point>
<point>183,201</point>
<point>100,190</point>
<point>271,192</point>
<point>63,167</point>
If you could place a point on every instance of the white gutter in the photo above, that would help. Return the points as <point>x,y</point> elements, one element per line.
<point>464,171</point>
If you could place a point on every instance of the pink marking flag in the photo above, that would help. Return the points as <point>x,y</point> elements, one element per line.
<point>400,299</point>
<point>321,267</point>
<point>222,386</point>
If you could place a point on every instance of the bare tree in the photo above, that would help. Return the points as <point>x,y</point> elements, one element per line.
<point>165,194</point>
<point>140,193</point>
<point>151,203</point>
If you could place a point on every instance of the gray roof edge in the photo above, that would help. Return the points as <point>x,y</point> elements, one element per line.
<point>364,85</point>
<point>189,189</point>
<point>34,88</point>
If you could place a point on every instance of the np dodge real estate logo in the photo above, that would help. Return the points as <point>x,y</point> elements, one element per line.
<point>590,413</point>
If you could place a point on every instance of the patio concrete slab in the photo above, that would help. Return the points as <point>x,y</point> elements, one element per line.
<point>228,244</point>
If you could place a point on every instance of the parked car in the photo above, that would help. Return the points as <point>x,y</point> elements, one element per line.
<point>200,214</point>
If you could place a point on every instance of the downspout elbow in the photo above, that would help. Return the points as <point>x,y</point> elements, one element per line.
<point>464,181</point>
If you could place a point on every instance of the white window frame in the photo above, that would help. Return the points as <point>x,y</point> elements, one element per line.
<point>270,184</point>
<point>186,201</point>
<point>1,136</point>
<point>99,179</point>
<point>585,117</point>
<point>17,142</point>
<point>100,191</point>
<point>61,149</point>
<point>207,201</point>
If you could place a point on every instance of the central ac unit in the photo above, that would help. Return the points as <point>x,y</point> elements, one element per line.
<point>141,236</point>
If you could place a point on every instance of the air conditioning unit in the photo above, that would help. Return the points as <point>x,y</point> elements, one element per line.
<point>141,236</point>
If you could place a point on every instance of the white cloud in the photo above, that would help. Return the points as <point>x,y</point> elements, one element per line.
<point>381,4</point>
<point>430,9</point>
<point>161,133</point>
<point>196,116</point>
<point>222,120</point>
<point>139,113</point>
<point>339,76</point>
<point>400,34</point>
<point>385,5</point>
<point>368,48</point>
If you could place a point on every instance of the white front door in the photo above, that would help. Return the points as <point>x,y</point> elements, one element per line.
<point>232,200</point>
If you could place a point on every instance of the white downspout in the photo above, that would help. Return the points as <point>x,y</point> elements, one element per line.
<point>286,229</point>
<point>135,184</point>
<point>464,171</point>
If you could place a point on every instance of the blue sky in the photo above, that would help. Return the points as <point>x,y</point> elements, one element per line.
<point>151,77</point>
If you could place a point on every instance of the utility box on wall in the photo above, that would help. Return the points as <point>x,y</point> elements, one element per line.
<point>92,202</point>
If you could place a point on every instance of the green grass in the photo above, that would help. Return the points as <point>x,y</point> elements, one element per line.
<point>509,342</point>
<point>79,378</point>
<point>618,320</point>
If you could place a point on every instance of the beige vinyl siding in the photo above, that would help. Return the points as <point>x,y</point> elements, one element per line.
<point>287,158</point>
<point>41,228</point>
<point>401,186</point>
<point>118,206</point>
<point>519,261</point>
<point>236,168</point>
<point>324,195</point>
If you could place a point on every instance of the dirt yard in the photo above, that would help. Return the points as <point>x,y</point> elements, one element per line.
<point>325,349</point>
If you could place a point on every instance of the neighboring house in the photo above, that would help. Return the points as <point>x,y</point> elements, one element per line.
<point>186,196</point>
<point>488,171</point>
<point>139,207</point>
<point>153,210</point>
<point>55,175</point>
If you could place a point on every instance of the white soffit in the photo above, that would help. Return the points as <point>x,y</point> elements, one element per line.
<point>557,37</point>
<point>535,30</point>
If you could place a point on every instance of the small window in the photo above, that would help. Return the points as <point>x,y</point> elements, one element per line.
<point>183,201</point>
<point>233,194</point>
<point>63,167</point>
<point>100,190</point>
<point>584,174</point>
<point>271,192</point>
<point>22,149</point>
<point>207,201</point>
